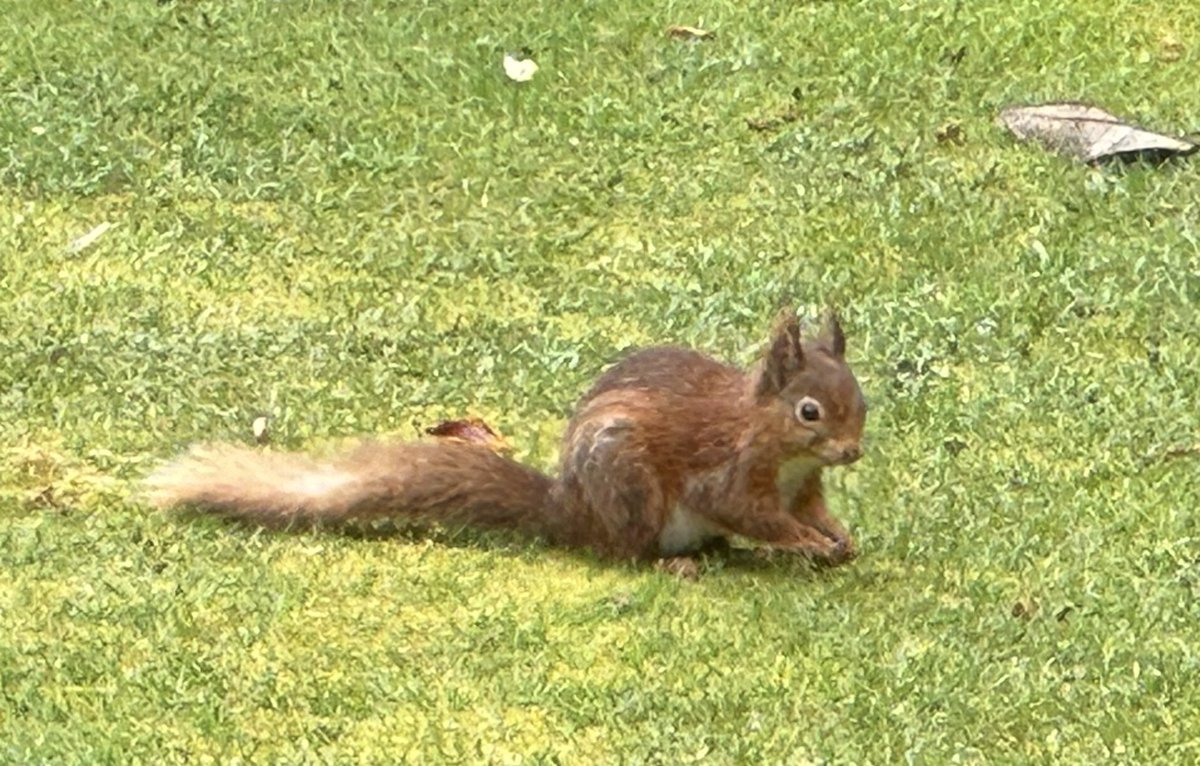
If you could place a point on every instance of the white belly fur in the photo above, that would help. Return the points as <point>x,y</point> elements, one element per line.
<point>685,531</point>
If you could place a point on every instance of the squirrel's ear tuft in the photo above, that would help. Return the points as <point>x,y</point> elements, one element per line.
<point>784,356</point>
<point>833,335</point>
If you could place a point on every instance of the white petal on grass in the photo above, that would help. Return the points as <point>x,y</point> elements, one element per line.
<point>519,70</point>
<point>260,428</point>
<point>89,239</point>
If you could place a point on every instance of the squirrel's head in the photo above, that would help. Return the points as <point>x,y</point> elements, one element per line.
<point>808,385</point>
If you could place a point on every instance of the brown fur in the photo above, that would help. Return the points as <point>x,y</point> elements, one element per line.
<point>669,451</point>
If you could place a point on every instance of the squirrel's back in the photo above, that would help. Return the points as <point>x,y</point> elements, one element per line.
<point>668,370</point>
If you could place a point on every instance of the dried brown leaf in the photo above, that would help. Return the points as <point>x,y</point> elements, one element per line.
<point>1182,450</point>
<point>765,124</point>
<point>469,431</point>
<point>1089,133</point>
<point>1023,609</point>
<point>951,133</point>
<point>681,32</point>
<point>1172,48</point>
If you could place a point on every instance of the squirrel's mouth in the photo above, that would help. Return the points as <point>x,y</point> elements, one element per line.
<point>842,455</point>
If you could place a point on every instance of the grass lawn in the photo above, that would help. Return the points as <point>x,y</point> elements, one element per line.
<point>344,216</point>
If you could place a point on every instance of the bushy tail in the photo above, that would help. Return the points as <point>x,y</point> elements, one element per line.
<point>447,483</point>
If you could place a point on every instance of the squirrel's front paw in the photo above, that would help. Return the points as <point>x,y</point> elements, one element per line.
<point>822,549</point>
<point>843,551</point>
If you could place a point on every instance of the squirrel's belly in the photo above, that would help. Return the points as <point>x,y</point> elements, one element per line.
<point>685,531</point>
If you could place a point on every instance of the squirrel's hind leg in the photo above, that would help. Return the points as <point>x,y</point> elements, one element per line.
<point>617,504</point>
<point>683,567</point>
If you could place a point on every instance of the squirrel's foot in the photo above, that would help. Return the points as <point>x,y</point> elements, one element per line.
<point>837,545</point>
<point>683,567</point>
<point>849,549</point>
<point>843,551</point>
<point>819,546</point>
<point>844,548</point>
<point>834,552</point>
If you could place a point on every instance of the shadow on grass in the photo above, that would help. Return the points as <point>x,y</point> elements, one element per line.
<point>713,559</point>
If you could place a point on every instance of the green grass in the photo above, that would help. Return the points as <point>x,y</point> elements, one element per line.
<point>343,215</point>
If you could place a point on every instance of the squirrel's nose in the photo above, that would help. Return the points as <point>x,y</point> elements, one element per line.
<point>851,453</point>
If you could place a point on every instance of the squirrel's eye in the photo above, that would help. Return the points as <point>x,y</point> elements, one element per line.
<point>809,409</point>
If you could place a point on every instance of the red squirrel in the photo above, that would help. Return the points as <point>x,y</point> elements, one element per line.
<point>669,452</point>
